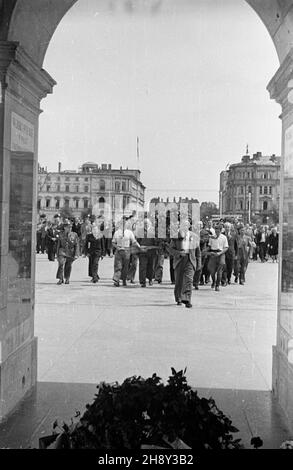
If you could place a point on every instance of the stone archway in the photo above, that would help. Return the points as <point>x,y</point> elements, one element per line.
<point>26,28</point>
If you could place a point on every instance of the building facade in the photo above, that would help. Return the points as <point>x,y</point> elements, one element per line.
<point>171,208</point>
<point>251,188</point>
<point>100,188</point>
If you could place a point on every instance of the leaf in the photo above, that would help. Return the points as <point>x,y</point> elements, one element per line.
<point>256,442</point>
<point>237,441</point>
<point>233,429</point>
<point>55,424</point>
<point>65,427</point>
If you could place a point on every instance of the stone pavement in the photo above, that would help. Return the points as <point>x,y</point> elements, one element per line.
<point>89,333</point>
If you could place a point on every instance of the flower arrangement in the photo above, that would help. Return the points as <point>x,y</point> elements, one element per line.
<point>145,413</point>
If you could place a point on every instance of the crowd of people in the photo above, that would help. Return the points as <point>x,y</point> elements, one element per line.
<point>209,253</point>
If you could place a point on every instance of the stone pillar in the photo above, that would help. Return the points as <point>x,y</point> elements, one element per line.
<point>281,89</point>
<point>23,85</point>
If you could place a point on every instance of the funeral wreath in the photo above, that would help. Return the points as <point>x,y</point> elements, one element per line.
<point>146,413</point>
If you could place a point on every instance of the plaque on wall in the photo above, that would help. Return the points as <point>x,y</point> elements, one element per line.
<point>20,214</point>
<point>22,134</point>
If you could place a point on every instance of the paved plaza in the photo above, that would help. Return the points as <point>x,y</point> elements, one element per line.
<point>89,333</point>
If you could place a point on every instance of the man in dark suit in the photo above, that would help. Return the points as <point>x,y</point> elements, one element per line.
<point>95,249</point>
<point>186,260</point>
<point>201,275</point>
<point>262,242</point>
<point>67,252</point>
<point>53,233</point>
<point>147,253</point>
<point>243,249</point>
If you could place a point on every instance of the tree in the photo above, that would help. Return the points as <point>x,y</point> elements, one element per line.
<point>207,209</point>
<point>85,213</point>
<point>66,213</point>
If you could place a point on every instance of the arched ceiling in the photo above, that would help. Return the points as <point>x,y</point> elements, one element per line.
<point>277,16</point>
<point>20,17</point>
<point>40,16</point>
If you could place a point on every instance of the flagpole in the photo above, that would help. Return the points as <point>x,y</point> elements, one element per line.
<point>137,151</point>
<point>137,158</point>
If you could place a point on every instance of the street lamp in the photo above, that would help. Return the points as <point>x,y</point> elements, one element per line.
<point>249,207</point>
<point>221,204</point>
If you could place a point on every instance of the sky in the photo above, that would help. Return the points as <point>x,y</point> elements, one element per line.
<point>188,77</point>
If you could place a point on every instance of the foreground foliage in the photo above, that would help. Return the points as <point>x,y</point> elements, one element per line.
<point>146,412</point>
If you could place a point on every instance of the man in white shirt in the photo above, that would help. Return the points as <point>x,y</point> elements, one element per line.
<point>210,228</point>
<point>218,245</point>
<point>122,241</point>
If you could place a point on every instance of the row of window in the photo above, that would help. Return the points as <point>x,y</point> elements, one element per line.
<point>67,189</point>
<point>102,185</point>
<point>57,205</point>
<point>48,178</point>
<point>249,189</point>
<point>265,190</point>
<point>241,205</point>
<point>76,188</point>
<point>250,174</point>
<point>241,189</point>
<point>77,205</point>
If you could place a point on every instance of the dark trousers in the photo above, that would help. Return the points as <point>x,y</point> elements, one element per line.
<point>132,267</point>
<point>121,264</point>
<point>255,252</point>
<point>82,243</point>
<point>43,245</point>
<point>159,266</point>
<point>109,246</point>
<point>146,267</point>
<point>184,273</point>
<point>228,267</point>
<point>51,250</point>
<point>262,251</point>
<point>39,242</point>
<point>171,268</point>
<point>94,259</point>
<point>196,277</point>
<point>204,276</point>
<point>241,267</point>
<point>64,267</point>
<point>215,267</point>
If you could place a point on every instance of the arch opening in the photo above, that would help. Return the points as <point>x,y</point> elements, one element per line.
<point>36,46</point>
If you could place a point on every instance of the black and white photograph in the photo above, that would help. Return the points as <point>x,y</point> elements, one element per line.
<point>146,228</point>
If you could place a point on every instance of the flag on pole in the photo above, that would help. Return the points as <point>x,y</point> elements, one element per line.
<point>137,150</point>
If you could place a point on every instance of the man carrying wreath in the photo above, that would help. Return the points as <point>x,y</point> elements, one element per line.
<point>186,260</point>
